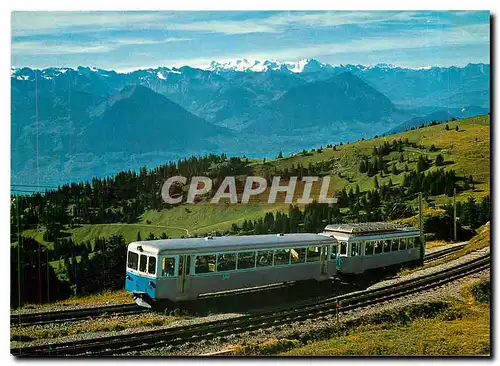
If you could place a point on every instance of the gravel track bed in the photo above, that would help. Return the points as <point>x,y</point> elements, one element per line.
<point>291,330</point>
<point>81,322</point>
<point>58,307</point>
<point>100,334</point>
<point>442,247</point>
<point>434,269</point>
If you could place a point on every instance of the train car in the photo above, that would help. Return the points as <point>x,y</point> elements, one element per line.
<point>373,245</point>
<point>182,269</point>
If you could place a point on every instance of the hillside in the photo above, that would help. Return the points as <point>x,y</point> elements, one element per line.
<point>466,151</point>
<point>85,227</point>
<point>344,103</point>
<point>145,121</point>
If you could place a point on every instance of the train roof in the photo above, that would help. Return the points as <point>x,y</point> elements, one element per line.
<point>364,228</point>
<point>228,243</point>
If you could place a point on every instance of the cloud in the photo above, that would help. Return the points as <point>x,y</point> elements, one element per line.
<point>225,27</point>
<point>38,23</point>
<point>60,48</point>
<point>48,22</point>
<point>35,48</point>
<point>278,23</point>
<point>141,41</point>
<point>332,19</point>
<point>59,33</point>
<point>472,34</point>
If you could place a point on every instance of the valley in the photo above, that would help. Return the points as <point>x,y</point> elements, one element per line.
<point>94,122</point>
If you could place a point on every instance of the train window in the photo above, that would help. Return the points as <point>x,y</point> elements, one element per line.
<point>133,260</point>
<point>409,243</point>
<point>369,248</point>
<point>378,246</point>
<point>387,246</point>
<point>152,265</point>
<point>313,254</point>
<point>265,258</point>
<point>343,248</point>
<point>281,256</point>
<point>168,267</point>
<point>298,255</point>
<point>402,244</point>
<point>333,253</point>
<point>226,262</point>
<point>395,244</point>
<point>143,262</point>
<point>246,260</point>
<point>355,249</point>
<point>204,263</point>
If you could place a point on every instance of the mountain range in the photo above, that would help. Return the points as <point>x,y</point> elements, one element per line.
<point>92,122</point>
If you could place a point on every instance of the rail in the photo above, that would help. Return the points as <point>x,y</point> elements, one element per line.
<point>119,344</point>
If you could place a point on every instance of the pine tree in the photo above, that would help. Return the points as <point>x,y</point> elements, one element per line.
<point>362,167</point>
<point>394,169</point>
<point>439,160</point>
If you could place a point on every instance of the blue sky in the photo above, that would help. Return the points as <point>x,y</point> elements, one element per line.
<point>126,41</point>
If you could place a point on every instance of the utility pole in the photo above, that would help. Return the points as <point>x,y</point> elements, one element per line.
<point>39,274</point>
<point>455,215</point>
<point>18,256</point>
<point>48,272</point>
<point>421,227</point>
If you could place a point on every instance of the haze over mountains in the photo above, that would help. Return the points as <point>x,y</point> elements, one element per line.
<point>95,122</point>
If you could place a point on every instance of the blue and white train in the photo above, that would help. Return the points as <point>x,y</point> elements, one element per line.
<point>183,269</point>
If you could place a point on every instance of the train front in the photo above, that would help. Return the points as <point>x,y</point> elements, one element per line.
<point>141,271</point>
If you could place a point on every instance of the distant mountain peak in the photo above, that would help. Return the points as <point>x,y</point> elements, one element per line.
<point>268,65</point>
<point>162,73</point>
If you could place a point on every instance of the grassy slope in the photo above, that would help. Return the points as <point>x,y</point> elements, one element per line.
<point>467,336</point>
<point>468,156</point>
<point>176,222</point>
<point>479,241</point>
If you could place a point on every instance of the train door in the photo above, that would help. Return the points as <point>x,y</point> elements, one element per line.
<point>324,260</point>
<point>183,274</point>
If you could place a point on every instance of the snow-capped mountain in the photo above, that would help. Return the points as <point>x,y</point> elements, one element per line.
<point>306,100</point>
<point>245,65</point>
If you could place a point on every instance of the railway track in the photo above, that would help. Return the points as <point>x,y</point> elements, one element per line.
<point>73,315</point>
<point>112,345</point>
<point>442,253</point>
